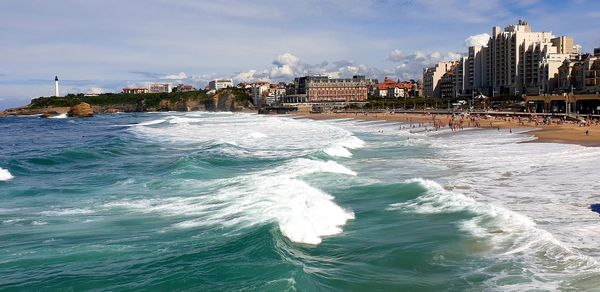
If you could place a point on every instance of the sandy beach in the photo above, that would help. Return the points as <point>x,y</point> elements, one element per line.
<point>552,132</point>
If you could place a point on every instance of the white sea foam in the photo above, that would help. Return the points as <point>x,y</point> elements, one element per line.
<point>67,212</point>
<point>513,236</point>
<point>258,135</point>
<point>338,151</point>
<point>5,175</point>
<point>149,123</point>
<point>61,116</point>
<point>303,213</point>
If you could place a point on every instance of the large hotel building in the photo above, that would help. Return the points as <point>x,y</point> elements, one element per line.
<point>515,61</point>
<point>325,89</point>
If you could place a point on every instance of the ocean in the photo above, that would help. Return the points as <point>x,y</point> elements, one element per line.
<point>234,201</point>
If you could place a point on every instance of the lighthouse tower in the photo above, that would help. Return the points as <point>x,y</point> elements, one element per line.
<point>56,91</point>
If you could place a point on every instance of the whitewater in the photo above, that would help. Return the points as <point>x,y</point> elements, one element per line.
<point>230,201</point>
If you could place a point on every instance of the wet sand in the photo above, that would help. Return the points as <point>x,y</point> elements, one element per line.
<point>569,133</point>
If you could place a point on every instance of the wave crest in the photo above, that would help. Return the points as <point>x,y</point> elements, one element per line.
<point>303,213</point>
<point>5,175</point>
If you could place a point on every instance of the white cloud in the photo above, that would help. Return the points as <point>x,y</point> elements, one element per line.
<point>396,55</point>
<point>411,66</point>
<point>97,90</point>
<point>179,76</point>
<point>251,75</point>
<point>245,76</point>
<point>477,40</point>
<point>286,59</point>
<point>286,66</point>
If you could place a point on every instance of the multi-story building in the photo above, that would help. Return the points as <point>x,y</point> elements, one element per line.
<point>184,88</point>
<point>447,84</point>
<point>135,90</point>
<point>525,62</point>
<point>515,61</point>
<point>324,89</point>
<point>580,74</point>
<point>392,89</point>
<point>460,85</point>
<point>591,73</point>
<point>160,87</point>
<point>476,77</point>
<point>218,84</point>
<point>432,77</point>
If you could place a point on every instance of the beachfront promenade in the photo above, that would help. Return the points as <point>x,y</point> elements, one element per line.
<point>460,111</point>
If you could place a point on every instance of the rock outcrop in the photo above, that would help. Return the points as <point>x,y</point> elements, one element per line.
<point>81,110</point>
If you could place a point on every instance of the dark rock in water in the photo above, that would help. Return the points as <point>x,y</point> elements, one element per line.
<point>50,114</point>
<point>595,208</point>
<point>81,110</point>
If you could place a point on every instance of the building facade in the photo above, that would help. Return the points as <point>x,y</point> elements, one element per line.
<point>160,88</point>
<point>432,78</point>
<point>325,89</point>
<point>184,88</point>
<point>516,61</point>
<point>218,84</point>
<point>581,74</point>
<point>135,90</point>
<point>525,62</point>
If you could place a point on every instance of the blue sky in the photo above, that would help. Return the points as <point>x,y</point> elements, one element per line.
<point>102,46</point>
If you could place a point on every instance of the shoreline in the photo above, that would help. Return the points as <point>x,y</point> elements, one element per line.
<point>563,133</point>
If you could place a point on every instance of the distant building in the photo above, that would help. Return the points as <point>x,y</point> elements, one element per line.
<point>184,88</point>
<point>135,90</point>
<point>160,88</point>
<point>392,89</point>
<point>218,84</point>
<point>432,78</point>
<point>259,91</point>
<point>325,89</point>
<point>580,74</point>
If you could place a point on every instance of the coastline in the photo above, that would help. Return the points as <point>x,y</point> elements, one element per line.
<point>566,133</point>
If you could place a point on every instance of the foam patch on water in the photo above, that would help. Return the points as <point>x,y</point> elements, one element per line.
<point>149,123</point>
<point>254,135</point>
<point>303,213</point>
<point>61,116</point>
<point>5,175</point>
<point>67,212</point>
<point>513,236</point>
<point>338,151</point>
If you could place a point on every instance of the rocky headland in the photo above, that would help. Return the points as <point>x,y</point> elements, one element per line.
<point>231,99</point>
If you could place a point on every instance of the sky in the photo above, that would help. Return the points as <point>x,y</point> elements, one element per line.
<point>104,45</point>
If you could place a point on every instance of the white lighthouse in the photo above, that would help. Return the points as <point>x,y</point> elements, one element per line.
<point>56,91</point>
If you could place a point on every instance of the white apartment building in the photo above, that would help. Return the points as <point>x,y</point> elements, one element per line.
<point>525,62</point>
<point>160,88</point>
<point>515,61</point>
<point>217,84</point>
<point>432,77</point>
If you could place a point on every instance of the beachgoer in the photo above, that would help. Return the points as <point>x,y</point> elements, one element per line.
<point>587,133</point>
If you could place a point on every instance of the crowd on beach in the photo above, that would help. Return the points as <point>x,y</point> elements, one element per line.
<point>459,121</point>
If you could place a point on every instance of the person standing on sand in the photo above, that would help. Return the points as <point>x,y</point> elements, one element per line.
<point>587,133</point>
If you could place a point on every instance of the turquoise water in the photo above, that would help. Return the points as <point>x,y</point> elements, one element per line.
<point>222,201</point>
